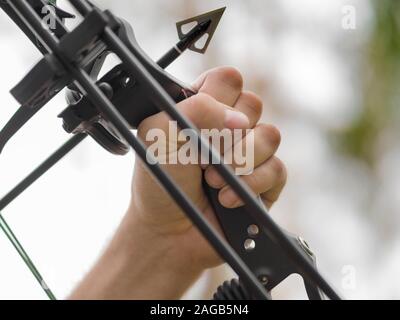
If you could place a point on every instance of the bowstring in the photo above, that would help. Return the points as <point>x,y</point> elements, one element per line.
<point>25,257</point>
<point>16,243</point>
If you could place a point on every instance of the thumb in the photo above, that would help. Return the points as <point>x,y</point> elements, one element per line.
<point>205,112</point>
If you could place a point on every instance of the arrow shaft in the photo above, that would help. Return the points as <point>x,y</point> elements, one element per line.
<point>191,38</point>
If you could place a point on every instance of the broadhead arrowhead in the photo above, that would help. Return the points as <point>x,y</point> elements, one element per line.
<point>38,4</point>
<point>213,16</point>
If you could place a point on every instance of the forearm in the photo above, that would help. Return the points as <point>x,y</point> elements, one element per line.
<point>138,264</point>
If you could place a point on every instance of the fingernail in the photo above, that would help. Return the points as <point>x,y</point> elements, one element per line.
<point>228,198</point>
<point>213,178</point>
<point>236,120</point>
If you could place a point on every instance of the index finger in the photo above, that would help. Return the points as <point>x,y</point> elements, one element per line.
<point>224,84</point>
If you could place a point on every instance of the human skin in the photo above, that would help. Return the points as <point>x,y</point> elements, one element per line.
<point>157,253</point>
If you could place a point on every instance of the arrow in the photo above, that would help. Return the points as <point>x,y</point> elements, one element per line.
<point>213,17</point>
<point>206,24</point>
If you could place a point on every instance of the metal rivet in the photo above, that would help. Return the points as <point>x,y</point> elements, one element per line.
<point>128,81</point>
<point>249,244</point>
<point>264,280</point>
<point>253,230</point>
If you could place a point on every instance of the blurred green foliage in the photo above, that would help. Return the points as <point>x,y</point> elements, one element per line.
<point>381,87</point>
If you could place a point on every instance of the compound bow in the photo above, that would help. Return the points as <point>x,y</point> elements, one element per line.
<point>103,108</point>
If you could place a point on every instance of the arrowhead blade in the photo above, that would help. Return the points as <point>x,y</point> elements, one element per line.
<point>63,14</point>
<point>213,16</point>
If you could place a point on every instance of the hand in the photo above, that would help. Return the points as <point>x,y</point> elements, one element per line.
<point>157,253</point>
<point>221,103</point>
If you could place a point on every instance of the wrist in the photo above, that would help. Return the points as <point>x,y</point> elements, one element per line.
<point>163,241</point>
<point>138,264</point>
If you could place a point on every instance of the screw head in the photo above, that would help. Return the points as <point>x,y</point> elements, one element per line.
<point>253,230</point>
<point>264,279</point>
<point>249,244</point>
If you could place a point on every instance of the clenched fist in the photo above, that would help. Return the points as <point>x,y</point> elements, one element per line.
<point>221,103</point>
<point>157,253</point>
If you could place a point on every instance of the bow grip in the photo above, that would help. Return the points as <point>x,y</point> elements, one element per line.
<point>263,257</point>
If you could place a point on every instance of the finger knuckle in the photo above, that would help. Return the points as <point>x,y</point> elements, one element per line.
<point>254,102</point>
<point>271,134</point>
<point>232,76</point>
<point>255,181</point>
<point>200,105</point>
<point>279,169</point>
<point>201,101</point>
